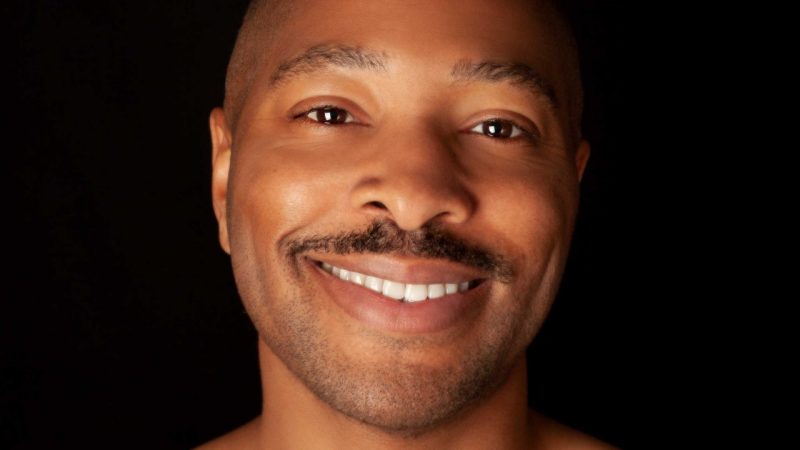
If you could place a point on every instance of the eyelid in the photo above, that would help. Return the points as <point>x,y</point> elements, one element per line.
<point>299,111</point>
<point>517,129</point>
<point>526,132</point>
<point>350,117</point>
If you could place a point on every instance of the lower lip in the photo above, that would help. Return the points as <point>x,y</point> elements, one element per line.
<point>383,313</point>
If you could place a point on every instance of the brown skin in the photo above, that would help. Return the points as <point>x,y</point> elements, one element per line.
<point>329,380</point>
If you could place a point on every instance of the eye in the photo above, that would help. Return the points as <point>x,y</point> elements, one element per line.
<point>328,115</point>
<point>499,128</point>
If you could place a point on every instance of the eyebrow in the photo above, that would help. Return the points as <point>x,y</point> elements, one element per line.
<point>321,57</point>
<point>515,73</point>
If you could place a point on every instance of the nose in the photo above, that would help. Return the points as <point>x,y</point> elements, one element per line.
<point>412,179</point>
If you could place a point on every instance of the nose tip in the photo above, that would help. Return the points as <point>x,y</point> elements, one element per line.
<point>413,176</point>
<point>413,198</point>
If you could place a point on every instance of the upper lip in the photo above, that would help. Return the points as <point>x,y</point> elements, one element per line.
<point>402,269</point>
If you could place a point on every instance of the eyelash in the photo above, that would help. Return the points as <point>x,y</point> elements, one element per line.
<point>304,115</point>
<point>517,131</point>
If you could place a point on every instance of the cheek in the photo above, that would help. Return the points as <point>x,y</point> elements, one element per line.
<point>270,197</point>
<point>538,225</point>
<point>534,214</point>
<point>535,208</point>
<point>275,191</point>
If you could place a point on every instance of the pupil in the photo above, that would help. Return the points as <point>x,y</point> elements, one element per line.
<point>330,115</point>
<point>495,128</point>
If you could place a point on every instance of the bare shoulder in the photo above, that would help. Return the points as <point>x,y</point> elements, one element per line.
<point>241,438</point>
<point>551,435</point>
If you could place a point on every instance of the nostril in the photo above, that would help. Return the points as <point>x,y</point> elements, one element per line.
<point>378,205</point>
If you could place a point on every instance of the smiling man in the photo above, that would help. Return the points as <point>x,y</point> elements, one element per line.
<point>397,182</point>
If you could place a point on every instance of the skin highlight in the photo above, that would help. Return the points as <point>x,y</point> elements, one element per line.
<point>412,178</point>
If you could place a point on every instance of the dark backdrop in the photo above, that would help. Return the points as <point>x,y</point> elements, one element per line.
<point>122,327</point>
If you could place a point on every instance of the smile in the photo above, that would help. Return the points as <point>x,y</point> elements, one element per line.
<point>401,292</point>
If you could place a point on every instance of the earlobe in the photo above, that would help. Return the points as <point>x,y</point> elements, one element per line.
<point>220,167</point>
<point>582,157</point>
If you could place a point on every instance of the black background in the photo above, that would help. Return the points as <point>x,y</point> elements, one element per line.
<point>122,326</point>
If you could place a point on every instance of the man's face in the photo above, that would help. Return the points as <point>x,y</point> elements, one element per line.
<point>395,149</point>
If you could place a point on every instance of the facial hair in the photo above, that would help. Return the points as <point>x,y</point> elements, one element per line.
<point>394,391</point>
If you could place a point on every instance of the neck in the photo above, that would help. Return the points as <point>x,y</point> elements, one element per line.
<point>293,417</point>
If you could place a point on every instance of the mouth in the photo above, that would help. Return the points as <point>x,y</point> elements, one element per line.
<point>407,296</point>
<point>399,291</point>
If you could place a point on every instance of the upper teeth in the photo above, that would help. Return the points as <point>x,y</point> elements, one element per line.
<point>394,289</point>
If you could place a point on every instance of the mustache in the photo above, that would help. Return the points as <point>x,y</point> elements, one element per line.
<point>384,236</point>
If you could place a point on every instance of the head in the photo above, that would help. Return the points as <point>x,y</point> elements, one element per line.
<point>421,142</point>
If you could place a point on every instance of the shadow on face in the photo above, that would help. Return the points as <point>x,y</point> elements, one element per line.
<point>449,116</point>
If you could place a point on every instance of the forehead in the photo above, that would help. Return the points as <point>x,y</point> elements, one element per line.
<point>422,34</point>
<point>416,22</point>
<point>420,40</point>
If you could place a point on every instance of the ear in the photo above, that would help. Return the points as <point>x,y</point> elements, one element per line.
<point>582,157</point>
<point>220,166</point>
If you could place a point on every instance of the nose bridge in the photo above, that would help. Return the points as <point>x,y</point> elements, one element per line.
<point>414,176</point>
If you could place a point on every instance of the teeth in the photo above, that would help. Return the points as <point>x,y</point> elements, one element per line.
<point>435,290</point>
<point>396,290</point>
<point>416,292</point>
<point>393,289</point>
<point>357,278</point>
<point>376,284</point>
